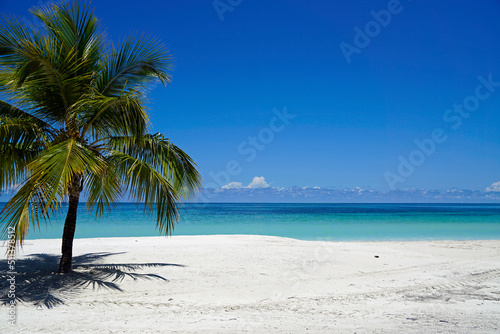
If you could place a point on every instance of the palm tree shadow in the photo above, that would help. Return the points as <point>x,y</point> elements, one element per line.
<point>37,280</point>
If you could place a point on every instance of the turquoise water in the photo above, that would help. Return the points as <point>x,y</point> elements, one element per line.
<point>301,221</point>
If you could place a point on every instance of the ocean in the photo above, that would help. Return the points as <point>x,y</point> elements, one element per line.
<point>346,222</point>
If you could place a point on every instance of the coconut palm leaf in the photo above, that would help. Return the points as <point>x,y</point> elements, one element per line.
<point>164,156</point>
<point>50,177</point>
<point>104,188</point>
<point>74,26</point>
<point>147,185</point>
<point>22,137</point>
<point>76,120</point>
<point>106,116</point>
<point>20,142</point>
<point>136,64</point>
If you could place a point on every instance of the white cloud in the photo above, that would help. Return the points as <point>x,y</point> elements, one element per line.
<point>494,187</point>
<point>258,182</point>
<point>233,185</point>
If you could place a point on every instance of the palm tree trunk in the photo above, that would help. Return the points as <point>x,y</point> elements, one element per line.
<point>65,265</point>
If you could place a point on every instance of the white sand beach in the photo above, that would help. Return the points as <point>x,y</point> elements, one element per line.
<point>258,284</point>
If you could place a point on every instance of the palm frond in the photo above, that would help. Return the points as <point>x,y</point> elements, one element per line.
<point>168,159</point>
<point>74,25</point>
<point>50,175</point>
<point>136,64</point>
<point>27,55</point>
<point>25,206</point>
<point>103,189</point>
<point>41,69</point>
<point>148,186</point>
<point>76,118</point>
<point>9,111</point>
<point>14,35</point>
<point>22,137</point>
<point>57,165</point>
<point>19,144</point>
<point>107,116</point>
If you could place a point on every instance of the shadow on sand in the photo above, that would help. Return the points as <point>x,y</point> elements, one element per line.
<point>37,280</point>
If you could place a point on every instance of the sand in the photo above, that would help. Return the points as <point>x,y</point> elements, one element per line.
<point>256,284</point>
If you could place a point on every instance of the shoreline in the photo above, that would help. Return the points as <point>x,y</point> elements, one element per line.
<point>254,284</point>
<point>267,236</point>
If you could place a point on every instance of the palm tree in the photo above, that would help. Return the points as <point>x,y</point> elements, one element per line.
<point>73,119</point>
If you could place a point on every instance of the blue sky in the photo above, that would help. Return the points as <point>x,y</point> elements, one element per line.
<point>353,116</point>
